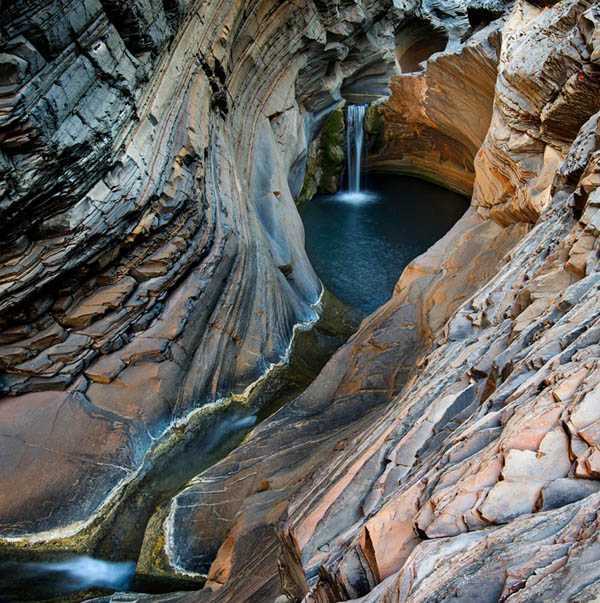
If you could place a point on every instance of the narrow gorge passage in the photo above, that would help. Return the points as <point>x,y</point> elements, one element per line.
<point>360,244</point>
<point>59,575</point>
<point>249,353</point>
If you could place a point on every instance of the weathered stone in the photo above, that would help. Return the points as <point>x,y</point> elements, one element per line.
<point>141,245</point>
<point>422,128</point>
<point>152,266</point>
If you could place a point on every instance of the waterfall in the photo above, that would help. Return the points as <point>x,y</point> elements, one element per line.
<point>354,144</point>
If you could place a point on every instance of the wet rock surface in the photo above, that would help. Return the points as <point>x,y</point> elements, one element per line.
<point>325,159</point>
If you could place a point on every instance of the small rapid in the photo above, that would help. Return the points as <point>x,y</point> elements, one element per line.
<point>75,574</point>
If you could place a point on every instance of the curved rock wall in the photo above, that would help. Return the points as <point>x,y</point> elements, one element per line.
<point>449,449</point>
<point>251,489</point>
<point>151,256</point>
<point>437,117</point>
<point>547,88</point>
<point>150,155</point>
<point>498,427</point>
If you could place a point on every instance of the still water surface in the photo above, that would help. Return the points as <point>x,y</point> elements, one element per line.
<point>359,243</point>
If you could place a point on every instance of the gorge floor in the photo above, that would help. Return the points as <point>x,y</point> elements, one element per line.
<point>207,437</point>
<point>359,245</point>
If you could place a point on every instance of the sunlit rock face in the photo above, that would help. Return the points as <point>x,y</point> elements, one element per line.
<point>548,87</point>
<point>441,104</point>
<point>449,450</point>
<point>151,255</point>
<point>478,481</point>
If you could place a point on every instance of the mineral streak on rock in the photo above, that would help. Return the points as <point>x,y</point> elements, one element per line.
<point>152,256</point>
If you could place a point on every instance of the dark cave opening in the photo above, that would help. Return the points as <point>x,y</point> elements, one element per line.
<point>481,17</point>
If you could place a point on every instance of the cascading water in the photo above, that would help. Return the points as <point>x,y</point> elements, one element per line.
<point>354,145</point>
<point>37,581</point>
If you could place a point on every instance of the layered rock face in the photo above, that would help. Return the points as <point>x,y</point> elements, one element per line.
<point>478,481</point>
<point>448,451</point>
<point>151,256</point>
<point>542,99</point>
<point>438,116</point>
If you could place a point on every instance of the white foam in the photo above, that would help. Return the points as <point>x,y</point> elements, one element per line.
<point>86,572</point>
<point>356,198</point>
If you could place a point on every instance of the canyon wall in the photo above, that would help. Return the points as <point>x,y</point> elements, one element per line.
<point>479,482</point>
<point>448,450</point>
<point>152,268</point>
<point>152,260</point>
<point>439,114</point>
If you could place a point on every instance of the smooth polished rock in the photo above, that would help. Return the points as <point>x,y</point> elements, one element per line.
<point>422,129</point>
<point>449,450</point>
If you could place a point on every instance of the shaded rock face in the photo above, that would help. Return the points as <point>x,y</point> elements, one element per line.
<point>151,255</point>
<point>416,40</point>
<point>325,161</point>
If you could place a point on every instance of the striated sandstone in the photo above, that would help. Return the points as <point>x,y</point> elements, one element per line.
<point>450,450</point>
<point>423,129</point>
<point>481,462</point>
<point>542,100</point>
<point>151,255</point>
<point>484,434</point>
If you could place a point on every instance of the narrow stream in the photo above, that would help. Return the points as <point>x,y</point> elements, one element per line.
<point>110,564</point>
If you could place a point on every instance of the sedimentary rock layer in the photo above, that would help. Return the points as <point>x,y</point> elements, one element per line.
<point>449,450</point>
<point>151,256</point>
<point>498,427</point>
<point>439,113</point>
<point>548,87</point>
